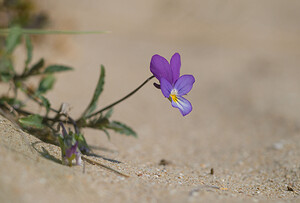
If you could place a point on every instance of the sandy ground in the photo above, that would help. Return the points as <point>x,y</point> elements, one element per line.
<point>245,123</point>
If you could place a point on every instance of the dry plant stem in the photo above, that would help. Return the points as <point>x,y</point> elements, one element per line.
<point>122,99</point>
<point>102,165</point>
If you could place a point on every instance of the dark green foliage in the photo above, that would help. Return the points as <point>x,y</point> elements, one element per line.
<point>57,68</point>
<point>35,69</point>
<point>13,39</point>
<point>46,84</point>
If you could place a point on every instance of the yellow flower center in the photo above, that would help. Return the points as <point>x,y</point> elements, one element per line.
<point>173,95</point>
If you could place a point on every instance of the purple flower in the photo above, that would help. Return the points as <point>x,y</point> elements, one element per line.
<point>72,153</point>
<point>69,147</point>
<point>172,86</point>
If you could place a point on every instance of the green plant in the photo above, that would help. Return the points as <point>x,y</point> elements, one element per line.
<point>44,125</point>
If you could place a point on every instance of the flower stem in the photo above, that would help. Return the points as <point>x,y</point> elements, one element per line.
<point>122,99</point>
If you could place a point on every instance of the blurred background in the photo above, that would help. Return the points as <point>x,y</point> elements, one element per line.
<point>245,56</point>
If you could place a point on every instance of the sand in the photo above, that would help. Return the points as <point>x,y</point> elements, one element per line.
<point>241,142</point>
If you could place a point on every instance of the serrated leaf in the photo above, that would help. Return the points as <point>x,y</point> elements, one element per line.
<point>32,121</point>
<point>29,50</point>
<point>99,88</point>
<point>57,68</point>
<point>13,39</point>
<point>121,128</point>
<point>46,84</point>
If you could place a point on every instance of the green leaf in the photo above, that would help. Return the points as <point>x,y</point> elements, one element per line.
<point>99,123</point>
<point>45,102</point>
<point>57,68</point>
<point>121,128</point>
<point>32,121</point>
<point>82,144</point>
<point>13,39</point>
<point>99,88</point>
<point>36,67</point>
<point>46,84</point>
<point>29,50</point>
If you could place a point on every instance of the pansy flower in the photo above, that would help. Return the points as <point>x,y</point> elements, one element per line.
<point>69,147</point>
<point>172,85</point>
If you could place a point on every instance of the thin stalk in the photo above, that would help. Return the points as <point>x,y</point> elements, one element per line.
<point>122,99</point>
<point>42,32</point>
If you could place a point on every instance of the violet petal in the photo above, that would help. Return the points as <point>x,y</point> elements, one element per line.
<point>165,87</point>
<point>64,132</point>
<point>184,84</point>
<point>175,64</point>
<point>71,150</point>
<point>160,68</point>
<point>184,106</point>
